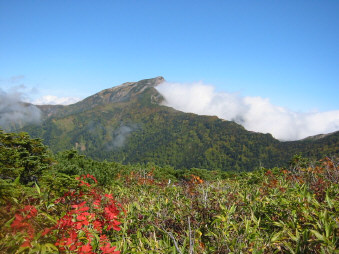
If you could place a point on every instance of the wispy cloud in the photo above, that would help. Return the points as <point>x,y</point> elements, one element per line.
<point>120,135</point>
<point>55,100</point>
<point>254,113</point>
<point>16,79</point>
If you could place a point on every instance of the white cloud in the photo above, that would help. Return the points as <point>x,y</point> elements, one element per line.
<point>254,113</point>
<point>54,100</point>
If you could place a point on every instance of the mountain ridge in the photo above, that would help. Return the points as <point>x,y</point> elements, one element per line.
<point>129,124</point>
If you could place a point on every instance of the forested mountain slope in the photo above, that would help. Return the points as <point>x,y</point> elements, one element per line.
<point>128,124</point>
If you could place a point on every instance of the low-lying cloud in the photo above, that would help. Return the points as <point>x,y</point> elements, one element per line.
<point>254,113</point>
<point>120,135</point>
<point>14,113</point>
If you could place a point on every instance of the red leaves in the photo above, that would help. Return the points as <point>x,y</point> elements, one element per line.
<point>114,225</point>
<point>87,215</point>
<point>81,217</point>
<point>97,225</point>
<point>109,196</point>
<point>86,249</point>
<point>23,223</point>
<point>46,231</point>
<point>106,246</point>
<point>88,176</point>
<point>26,243</point>
<point>96,203</point>
<point>32,211</point>
<point>79,205</point>
<point>108,249</point>
<point>91,213</point>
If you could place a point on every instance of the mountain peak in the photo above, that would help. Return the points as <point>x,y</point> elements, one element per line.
<point>152,82</point>
<point>127,90</point>
<point>122,93</point>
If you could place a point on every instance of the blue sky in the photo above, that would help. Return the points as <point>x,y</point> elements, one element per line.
<point>286,51</point>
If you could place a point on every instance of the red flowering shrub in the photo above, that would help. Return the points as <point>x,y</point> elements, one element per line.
<point>88,217</point>
<point>22,223</point>
<point>91,215</point>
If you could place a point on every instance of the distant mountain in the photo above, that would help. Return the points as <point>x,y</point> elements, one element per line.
<point>127,123</point>
<point>317,137</point>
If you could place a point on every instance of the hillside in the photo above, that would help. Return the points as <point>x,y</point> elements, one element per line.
<point>128,124</point>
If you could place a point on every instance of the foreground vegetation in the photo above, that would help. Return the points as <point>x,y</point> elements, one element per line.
<point>67,203</point>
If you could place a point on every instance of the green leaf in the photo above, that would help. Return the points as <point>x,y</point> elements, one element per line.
<point>328,200</point>
<point>318,235</point>
<point>49,217</point>
<point>22,249</point>
<point>232,209</point>
<point>43,249</point>
<point>17,180</point>
<point>276,237</point>
<point>51,246</point>
<point>37,188</point>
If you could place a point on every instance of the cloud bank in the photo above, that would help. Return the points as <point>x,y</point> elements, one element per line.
<point>254,113</point>
<point>15,113</point>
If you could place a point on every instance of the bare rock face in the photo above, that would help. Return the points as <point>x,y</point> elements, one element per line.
<point>125,91</point>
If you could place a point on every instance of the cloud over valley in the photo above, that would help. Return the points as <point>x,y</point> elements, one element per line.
<point>17,106</point>
<point>15,113</point>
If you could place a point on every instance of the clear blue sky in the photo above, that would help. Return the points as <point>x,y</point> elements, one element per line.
<point>287,51</point>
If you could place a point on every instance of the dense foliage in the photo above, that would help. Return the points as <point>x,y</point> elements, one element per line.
<point>68,203</point>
